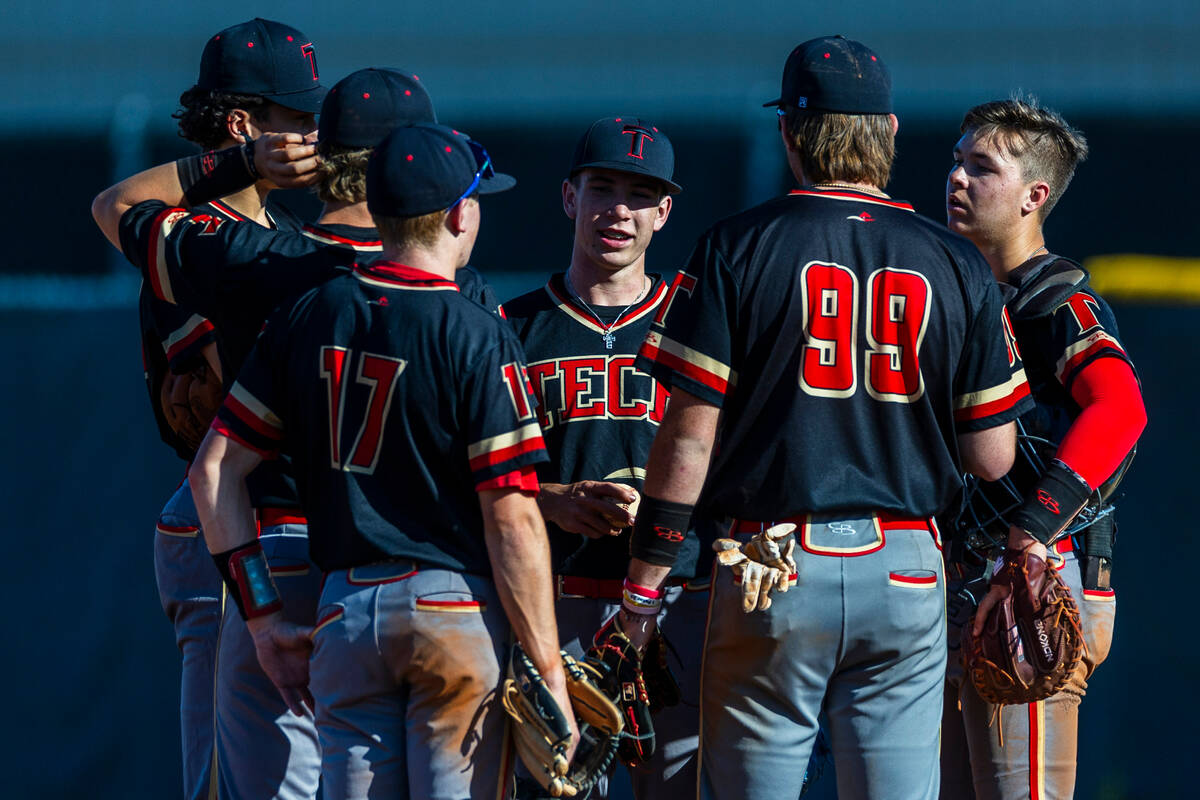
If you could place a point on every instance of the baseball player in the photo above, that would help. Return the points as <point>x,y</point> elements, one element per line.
<point>1011,166</point>
<point>239,93</point>
<point>599,414</point>
<point>850,356</point>
<point>403,402</point>
<point>236,274</point>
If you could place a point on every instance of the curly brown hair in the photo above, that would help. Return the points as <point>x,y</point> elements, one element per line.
<point>1037,138</point>
<point>203,114</point>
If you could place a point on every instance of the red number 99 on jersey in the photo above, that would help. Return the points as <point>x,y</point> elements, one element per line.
<point>896,317</point>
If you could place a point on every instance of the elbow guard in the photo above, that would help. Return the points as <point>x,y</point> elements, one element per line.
<point>659,531</point>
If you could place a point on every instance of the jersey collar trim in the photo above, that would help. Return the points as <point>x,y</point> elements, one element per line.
<point>225,211</point>
<point>567,304</point>
<point>849,194</point>
<point>398,276</point>
<point>344,238</point>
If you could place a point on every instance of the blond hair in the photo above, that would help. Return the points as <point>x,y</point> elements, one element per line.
<point>405,232</point>
<point>847,148</point>
<point>342,173</point>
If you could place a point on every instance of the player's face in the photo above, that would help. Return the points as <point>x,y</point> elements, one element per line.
<point>985,195</point>
<point>616,214</point>
<point>277,119</point>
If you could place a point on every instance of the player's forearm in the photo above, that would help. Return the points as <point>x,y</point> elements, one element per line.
<point>675,473</point>
<point>156,183</point>
<point>218,481</point>
<point>519,553</point>
<point>681,451</point>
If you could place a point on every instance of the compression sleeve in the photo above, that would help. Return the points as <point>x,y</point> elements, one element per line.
<point>1112,418</point>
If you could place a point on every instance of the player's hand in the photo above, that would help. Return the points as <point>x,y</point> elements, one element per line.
<point>1018,540</point>
<point>287,160</point>
<point>556,682</point>
<point>589,508</point>
<point>639,628</point>
<point>283,650</point>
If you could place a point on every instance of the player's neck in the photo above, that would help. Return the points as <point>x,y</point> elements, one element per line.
<point>601,287</point>
<point>438,261</point>
<point>337,212</point>
<point>251,203</point>
<point>1005,256</point>
<point>866,188</point>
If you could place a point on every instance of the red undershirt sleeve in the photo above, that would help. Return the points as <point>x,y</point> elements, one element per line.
<point>1112,418</point>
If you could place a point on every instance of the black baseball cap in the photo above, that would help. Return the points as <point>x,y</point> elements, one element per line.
<point>263,58</point>
<point>835,74</point>
<point>365,106</point>
<point>425,167</point>
<point>627,144</point>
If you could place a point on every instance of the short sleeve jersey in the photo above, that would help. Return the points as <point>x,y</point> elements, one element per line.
<point>396,398</point>
<point>1055,348</point>
<point>847,341</point>
<point>598,412</point>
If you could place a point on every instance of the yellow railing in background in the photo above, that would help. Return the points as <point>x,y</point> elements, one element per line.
<point>1130,276</point>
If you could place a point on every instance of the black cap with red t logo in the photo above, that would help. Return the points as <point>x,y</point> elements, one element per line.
<point>627,144</point>
<point>263,58</point>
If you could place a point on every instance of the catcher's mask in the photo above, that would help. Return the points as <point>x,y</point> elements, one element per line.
<point>982,522</point>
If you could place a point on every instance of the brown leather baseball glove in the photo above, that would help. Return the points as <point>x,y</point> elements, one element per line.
<point>541,733</point>
<point>190,401</point>
<point>1031,641</point>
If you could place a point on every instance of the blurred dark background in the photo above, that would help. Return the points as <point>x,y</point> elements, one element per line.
<point>87,98</point>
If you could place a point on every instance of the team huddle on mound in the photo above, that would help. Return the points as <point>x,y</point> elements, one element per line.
<point>714,527</point>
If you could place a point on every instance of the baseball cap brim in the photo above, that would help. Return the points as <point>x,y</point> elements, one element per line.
<point>499,182</point>
<point>776,102</point>
<point>625,166</point>
<point>308,101</point>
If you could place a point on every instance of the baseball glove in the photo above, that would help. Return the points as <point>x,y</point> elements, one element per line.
<point>761,564</point>
<point>1031,641</point>
<point>541,731</point>
<point>640,684</point>
<point>190,401</point>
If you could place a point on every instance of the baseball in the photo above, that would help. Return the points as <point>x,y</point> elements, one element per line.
<point>632,508</point>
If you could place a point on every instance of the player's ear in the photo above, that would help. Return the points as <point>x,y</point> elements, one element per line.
<point>1035,196</point>
<point>895,124</point>
<point>459,217</point>
<point>238,125</point>
<point>570,195</point>
<point>664,211</point>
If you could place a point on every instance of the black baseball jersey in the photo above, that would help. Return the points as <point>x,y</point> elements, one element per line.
<point>1055,347</point>
<point>847,341</point>
<point>397,399</point>
<point>237,274</point>
<point>174,336</point>
<point>598,412</point>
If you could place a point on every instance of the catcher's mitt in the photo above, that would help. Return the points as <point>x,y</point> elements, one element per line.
<point>761,564</point>
<point>190,401</point>
<point>640,685</point>
<point>1031,641</point>
<point>541,731</point>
